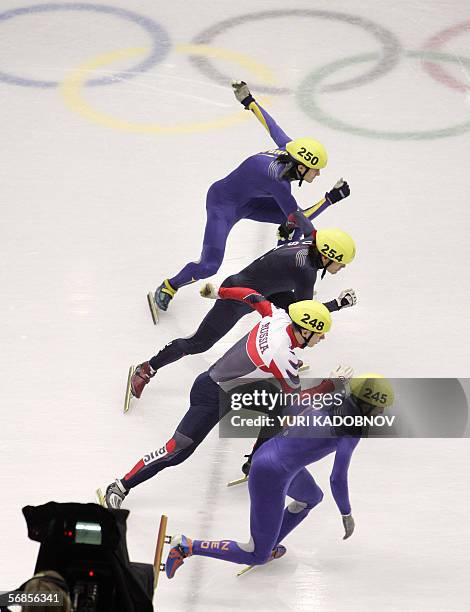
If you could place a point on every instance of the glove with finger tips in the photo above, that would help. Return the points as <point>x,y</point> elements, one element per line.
<point>341,378</point>
<point>209,291</point>
<point>348,524</point>
<point>346,298</point>
<point>242,93</point>
<point>342,371</point>
<point>339,192</point>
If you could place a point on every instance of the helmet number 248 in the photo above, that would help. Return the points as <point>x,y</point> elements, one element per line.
<point>331,253</point>
<point>314,323</point>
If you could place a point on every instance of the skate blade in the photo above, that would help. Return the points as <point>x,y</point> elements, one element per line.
<point>100,497</point>
<point>234,483</point>
<point>250,567</point>
<point>153,307</point>
<point>304,368</point>
<point>127,399</point>
<point>162,539</point>
<point>245,570</point>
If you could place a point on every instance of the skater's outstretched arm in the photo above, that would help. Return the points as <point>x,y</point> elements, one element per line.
<point>339,191</point>
<point>339,473</point>
<point>317,209</point>
<point>243,95</point>
<point>288,232</point>
<point>251,297</point>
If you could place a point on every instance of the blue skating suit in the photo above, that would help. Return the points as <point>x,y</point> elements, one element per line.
<point>255,190</point>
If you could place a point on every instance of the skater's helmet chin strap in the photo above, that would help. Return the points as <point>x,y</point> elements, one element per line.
<point>305,340</point>
<point>301,176</point>
<point>330,261</point>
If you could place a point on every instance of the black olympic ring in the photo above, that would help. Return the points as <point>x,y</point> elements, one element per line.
<point>388,60</point>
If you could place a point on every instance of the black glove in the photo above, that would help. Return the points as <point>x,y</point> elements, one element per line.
<point>242,93</point>
<point>339,192</point>
<point>346,298</point>
<point>284,232</point>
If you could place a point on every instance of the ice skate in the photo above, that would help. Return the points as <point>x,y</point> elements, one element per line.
<point>164,294</point>
<point>140,378</point>
<point>162,539</point>
<point>153,307</point>
<point>278,552</point>
<point>181,547</point>
<point>114,496</point>
<point>137,378</point>
<point>247,465</point>
<point>245,469</point>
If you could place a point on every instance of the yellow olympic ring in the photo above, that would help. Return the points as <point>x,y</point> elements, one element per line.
<point>72,85</point>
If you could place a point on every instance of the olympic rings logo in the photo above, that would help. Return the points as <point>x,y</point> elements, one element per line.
<point>202,52</point>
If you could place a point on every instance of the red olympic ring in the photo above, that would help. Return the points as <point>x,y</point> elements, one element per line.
<point>435,70</point>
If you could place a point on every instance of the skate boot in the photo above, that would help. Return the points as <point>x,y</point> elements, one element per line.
<point>115,494</point>
<point>278,552</point>
<point>181,547</point>
<point>247,465</point>
<point>140,378</point>
<point>164,294</point>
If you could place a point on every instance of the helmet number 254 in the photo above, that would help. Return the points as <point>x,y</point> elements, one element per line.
<point>331,253</point>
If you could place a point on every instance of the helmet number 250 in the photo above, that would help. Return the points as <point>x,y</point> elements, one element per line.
<point>331,253</point>
<point>308,156</point>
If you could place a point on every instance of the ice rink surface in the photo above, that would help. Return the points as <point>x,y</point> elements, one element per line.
<point>102,195</point>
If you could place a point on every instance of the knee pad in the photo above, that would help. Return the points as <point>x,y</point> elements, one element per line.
<point>249,547</point>
<point>297,506</point>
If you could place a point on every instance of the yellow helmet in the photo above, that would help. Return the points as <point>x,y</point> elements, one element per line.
<point>308,152</point>
<point>336,245</point>
<point>311,315</point>
<point>374,389</point>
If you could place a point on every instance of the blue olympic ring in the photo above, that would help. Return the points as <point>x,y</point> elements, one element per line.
<point>161,40</point>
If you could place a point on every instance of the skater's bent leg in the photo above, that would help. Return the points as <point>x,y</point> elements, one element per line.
<point>202,416</point>
<point>267,486</point>
<point>218,321</point>
<point>210,261</point>
<point>218,226</point>
<point>175,451</point>
<point>306,495</point>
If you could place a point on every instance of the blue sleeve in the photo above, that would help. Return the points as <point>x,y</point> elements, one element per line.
<point>287,203</point>
<point>278,135</point>
<point>339,474</point>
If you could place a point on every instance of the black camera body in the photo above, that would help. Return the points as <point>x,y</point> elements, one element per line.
<point>86,544</point>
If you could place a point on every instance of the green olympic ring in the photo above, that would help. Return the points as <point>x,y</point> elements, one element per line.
<point>310,86</point>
